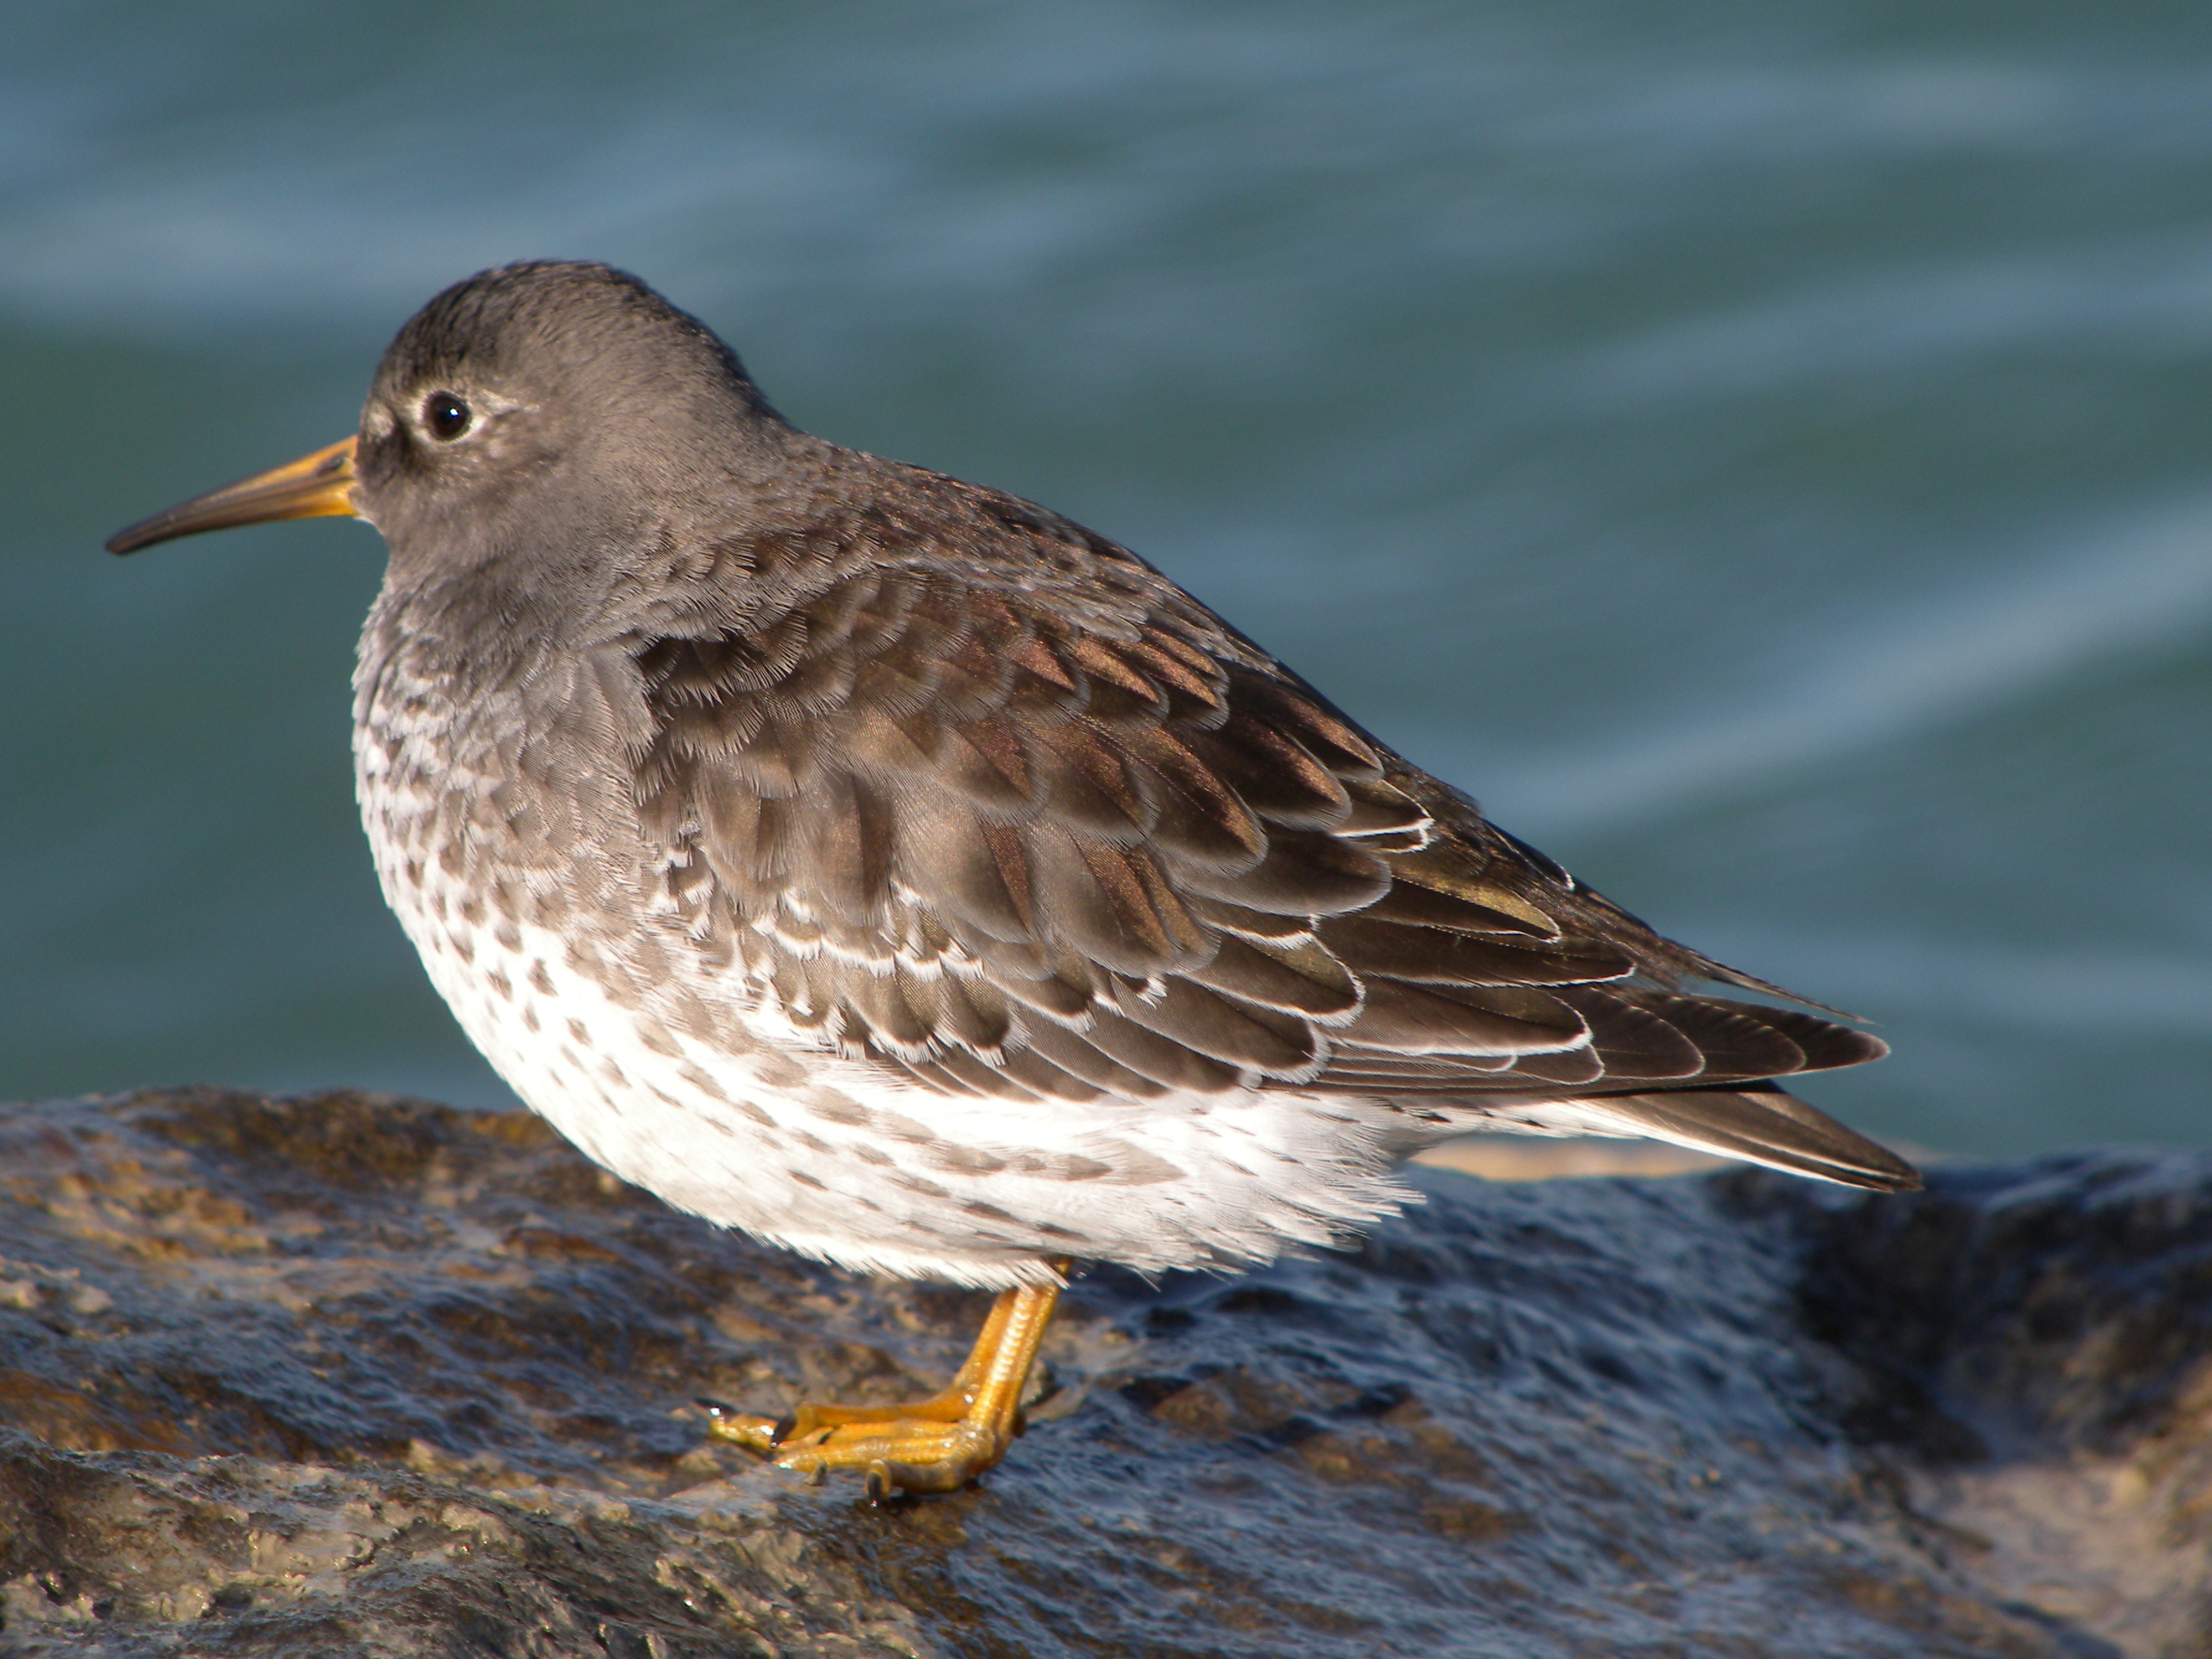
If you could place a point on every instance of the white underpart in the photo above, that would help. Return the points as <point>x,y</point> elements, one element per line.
<point>761,1126</point>
<point>1155,1185</point>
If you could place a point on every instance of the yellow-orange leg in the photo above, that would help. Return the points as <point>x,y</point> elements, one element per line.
<point>937,1444</point>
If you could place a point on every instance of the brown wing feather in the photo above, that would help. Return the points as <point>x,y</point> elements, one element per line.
<point>986,799</point>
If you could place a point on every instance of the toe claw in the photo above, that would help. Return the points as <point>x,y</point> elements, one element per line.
<point>947,1474</point>
<point>754,1433</point>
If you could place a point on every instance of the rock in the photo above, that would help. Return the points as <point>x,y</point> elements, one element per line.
<point>355,1374</point>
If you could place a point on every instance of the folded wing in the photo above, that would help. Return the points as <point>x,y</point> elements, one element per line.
<point>1070,838</point>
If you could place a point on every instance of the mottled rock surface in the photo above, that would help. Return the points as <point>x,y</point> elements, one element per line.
<point>354,1375</point>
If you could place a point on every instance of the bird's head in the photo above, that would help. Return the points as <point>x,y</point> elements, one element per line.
<point>540,418</point>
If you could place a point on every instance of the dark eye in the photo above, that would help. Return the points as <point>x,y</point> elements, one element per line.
<point>446,416</point>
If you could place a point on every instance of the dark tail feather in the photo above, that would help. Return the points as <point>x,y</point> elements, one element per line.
<point>1765,1125</point>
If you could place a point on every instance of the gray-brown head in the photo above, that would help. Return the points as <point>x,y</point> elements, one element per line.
<point>535,418</point>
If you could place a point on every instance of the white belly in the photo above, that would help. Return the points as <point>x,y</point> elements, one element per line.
<point>677,1073</point>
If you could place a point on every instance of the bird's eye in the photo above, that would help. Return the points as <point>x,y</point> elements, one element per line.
<point>446,416</point>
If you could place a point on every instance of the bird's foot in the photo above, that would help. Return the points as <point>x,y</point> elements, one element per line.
<point>817,1423</point>
<point>932,1446</point>
<point>910,1455</point>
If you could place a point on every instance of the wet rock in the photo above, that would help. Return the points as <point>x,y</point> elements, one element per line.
<point>354,1375</point>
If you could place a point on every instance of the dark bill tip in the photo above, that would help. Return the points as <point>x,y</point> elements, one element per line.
<point>317,486</point>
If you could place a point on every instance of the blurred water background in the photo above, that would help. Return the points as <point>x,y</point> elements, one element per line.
<point>1762,449</point>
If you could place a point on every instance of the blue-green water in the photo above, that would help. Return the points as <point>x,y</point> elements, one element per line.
<point>1764,450</point>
